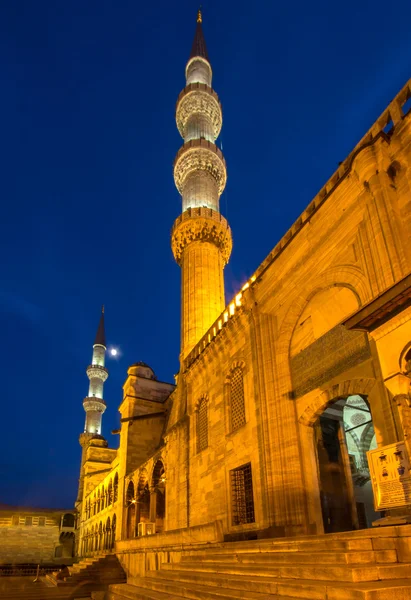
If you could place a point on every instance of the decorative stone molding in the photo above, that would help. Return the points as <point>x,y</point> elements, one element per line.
<point>237,364</point>
<point>201,225</point>
<point>349,387</point>
<point>94,404</point>
<point>96,371</point>
<point>199,102</point>
<point>200,155</point>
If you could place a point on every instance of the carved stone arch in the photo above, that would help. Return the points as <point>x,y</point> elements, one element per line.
<point>342,276</point>
<point>349,387</point>
<point>366,438</point>
<point>405,358</point>
<point>143,479</point>
<point>203,397</point>
<point>158,469</point>
<point>236,364</point>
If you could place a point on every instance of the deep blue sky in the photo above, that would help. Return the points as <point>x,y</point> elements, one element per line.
<point>88,137</point>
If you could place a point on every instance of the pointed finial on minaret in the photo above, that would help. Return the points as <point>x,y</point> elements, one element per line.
<point>199,45</point>
<point>101,336</point>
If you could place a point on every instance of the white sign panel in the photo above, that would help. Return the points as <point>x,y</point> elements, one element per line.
<point>390,476</point>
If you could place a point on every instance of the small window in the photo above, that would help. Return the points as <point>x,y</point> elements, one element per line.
<point>237,399</point>
<point>242,495</point>
<point>28,521</point>
<point>15,520</point>
<point>42,521</point>
<point>202,426</point>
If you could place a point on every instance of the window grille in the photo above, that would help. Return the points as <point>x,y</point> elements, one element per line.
<point>202,426</point>
<point>28,521</point>
<point>42,521</point>
<point>237,399</point>
<point>242,495</point>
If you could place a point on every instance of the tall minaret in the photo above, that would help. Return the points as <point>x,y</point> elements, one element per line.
<point>94,404</point>
<point>201,236</point>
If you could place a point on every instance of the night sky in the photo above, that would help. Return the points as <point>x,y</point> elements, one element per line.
<point>88,138</point>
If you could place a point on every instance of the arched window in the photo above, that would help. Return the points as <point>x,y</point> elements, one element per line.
<point>68,520</point>
<point>110,493</point>
<point>102,497</point>
<point>115,488</point>
<point>94,504</point>
<point>237,407</point>
<point>113,531</point>
<point>131,511</point>
<point>143,497</point>
<point>107,540</point>
<point>202,425</point>
<point>98,501</point>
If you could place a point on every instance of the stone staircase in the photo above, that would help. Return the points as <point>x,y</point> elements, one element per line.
<point>90,574</point>
<point>361,565</point>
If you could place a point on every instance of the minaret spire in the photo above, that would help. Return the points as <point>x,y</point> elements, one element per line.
<point>101,335</point>
<point>201,237</point>
<point>199,47</point>
<point>94,404</point>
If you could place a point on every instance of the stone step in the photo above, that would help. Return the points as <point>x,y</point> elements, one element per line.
<point>359,557</point>
<point>296,589</point>
<point>126,591</point>
<point>200,592</point>
<point>308,544</point>
<point>320,572</point>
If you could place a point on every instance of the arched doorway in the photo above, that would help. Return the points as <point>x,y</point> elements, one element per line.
<point>143,498</point>
<point>344,433</point>
<point>107,539</point>
<point>131,511</point>
<point>66,541</point>
<point>159,484</point>
<point>113,532</point>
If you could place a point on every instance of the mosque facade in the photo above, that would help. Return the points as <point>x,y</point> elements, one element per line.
<point>283,391</point>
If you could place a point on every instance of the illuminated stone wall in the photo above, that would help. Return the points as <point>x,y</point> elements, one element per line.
<point>284,331</point>
<point>33,536</point>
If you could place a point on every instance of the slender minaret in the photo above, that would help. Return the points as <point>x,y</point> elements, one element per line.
<point>201,237</point>
<point>94,404</point>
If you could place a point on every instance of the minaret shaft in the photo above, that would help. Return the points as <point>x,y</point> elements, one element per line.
<point>202,291</point>
<point>201,237</point>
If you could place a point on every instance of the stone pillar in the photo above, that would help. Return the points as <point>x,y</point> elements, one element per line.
<point>153,504</point>
<point>347,475</point>
<point>399,387</point>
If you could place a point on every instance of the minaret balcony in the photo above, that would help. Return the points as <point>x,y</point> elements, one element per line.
<point>97,371</point>
<point>201,225</point>
<point>92,403</point>
<point>198,99</point>
<point>200,155</point>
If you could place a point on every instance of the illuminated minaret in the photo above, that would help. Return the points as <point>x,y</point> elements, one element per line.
<point>201,237</point>
<point>94,404</point>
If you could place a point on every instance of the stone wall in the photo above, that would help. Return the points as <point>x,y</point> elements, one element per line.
<point>30,537</point>
<point>148,553</point>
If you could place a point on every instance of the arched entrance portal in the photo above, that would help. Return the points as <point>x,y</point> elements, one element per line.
<point>159,484</point>
<point>143,498</point>
<point>344,433</point>
<point>131,511</point>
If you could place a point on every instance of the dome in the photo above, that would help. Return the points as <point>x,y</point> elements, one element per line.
<point>142,369</point>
